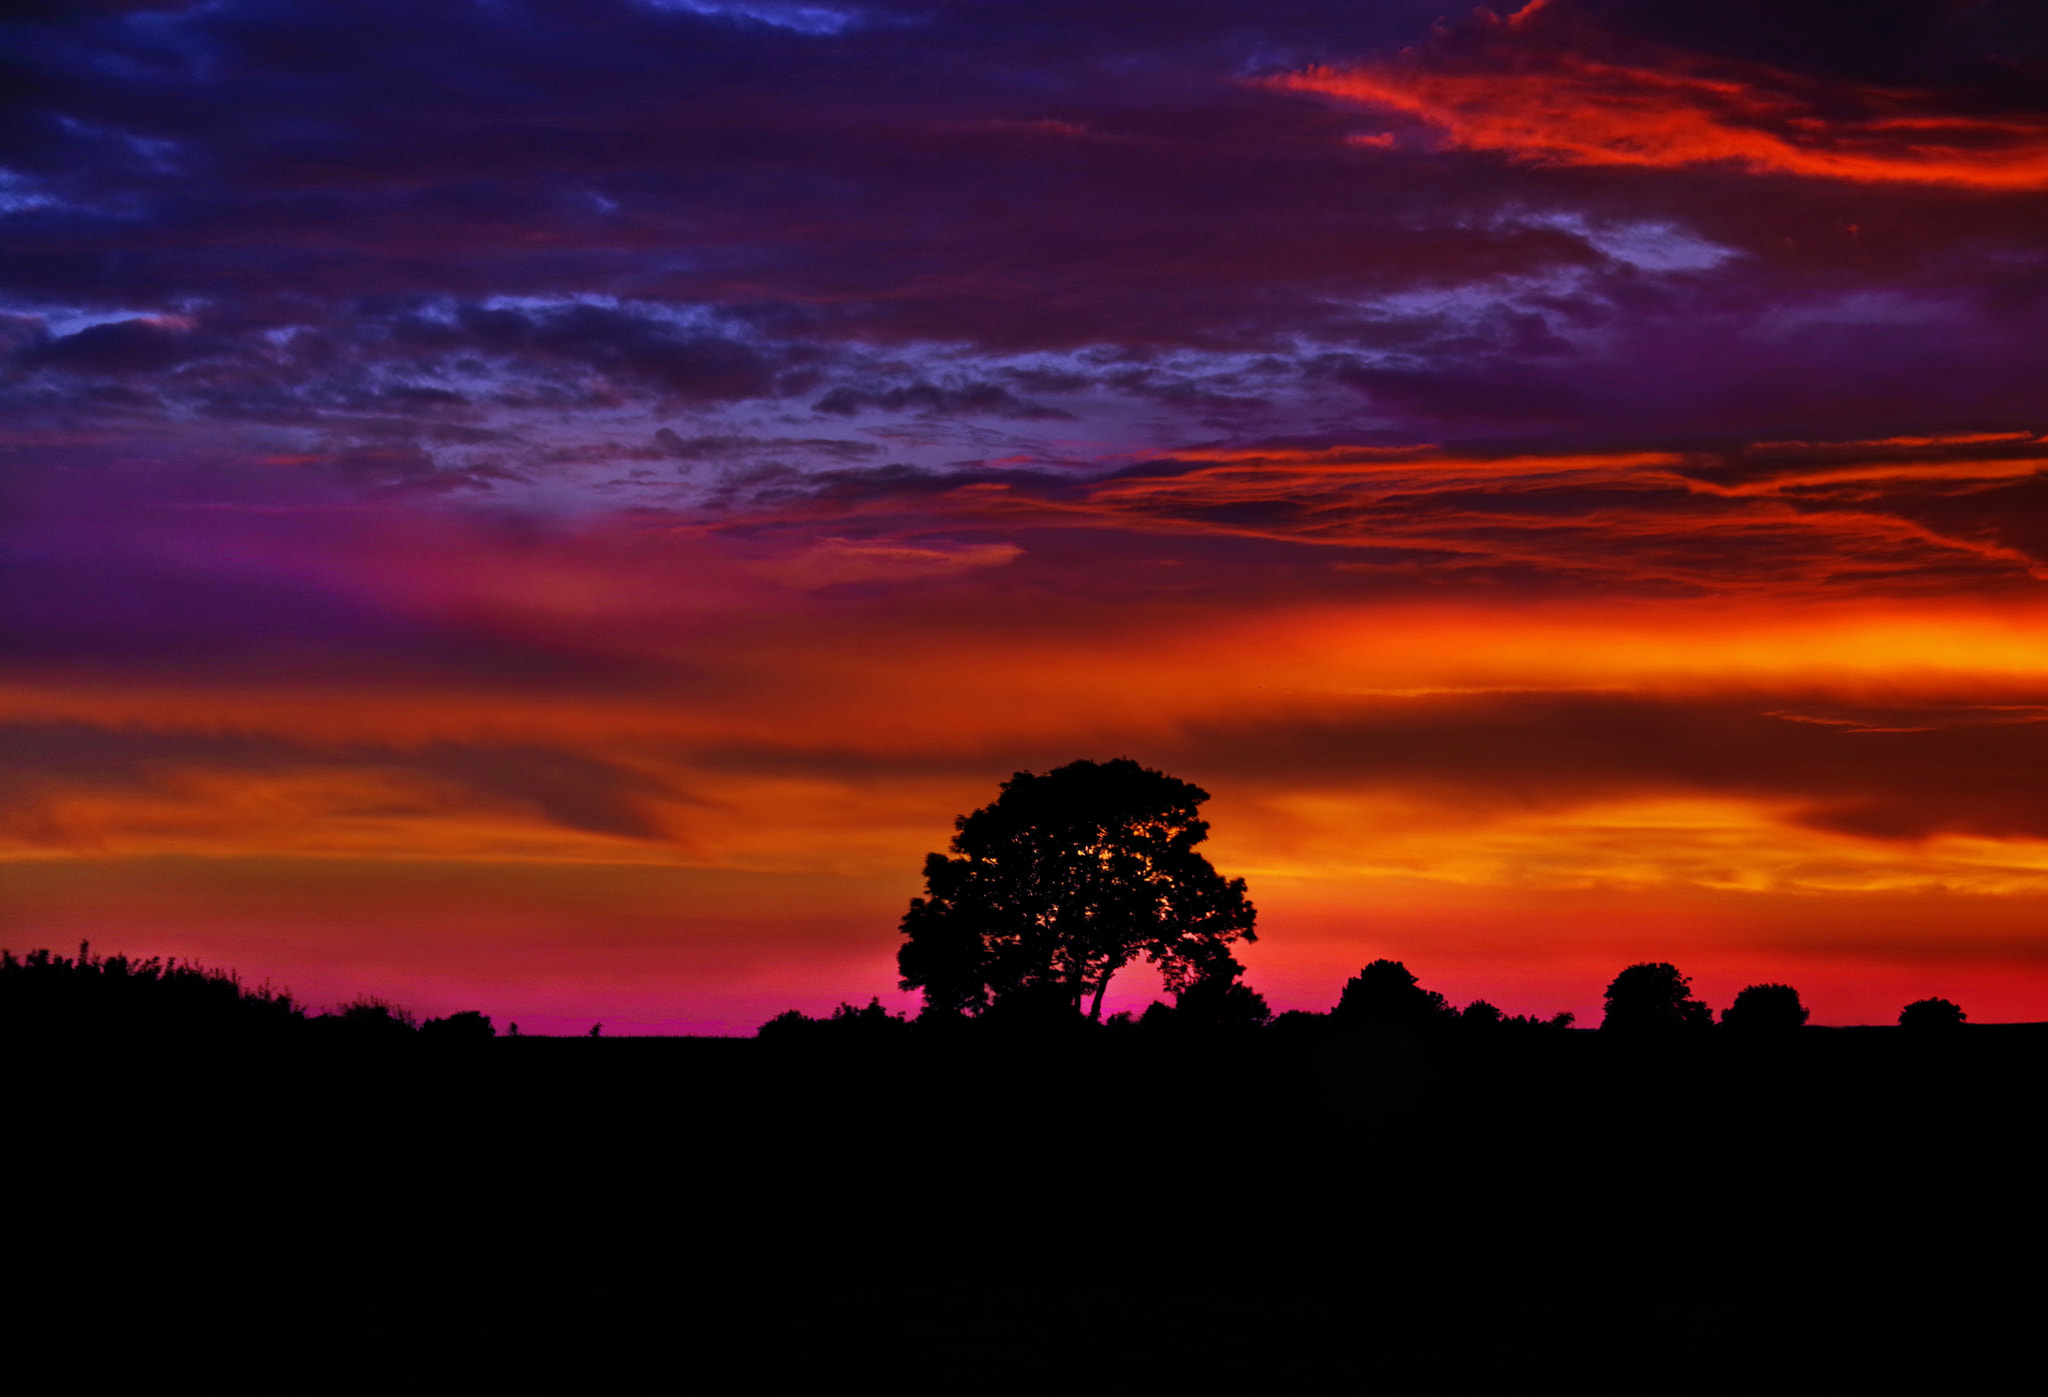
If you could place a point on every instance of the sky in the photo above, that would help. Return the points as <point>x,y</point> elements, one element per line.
<point>554,508</point>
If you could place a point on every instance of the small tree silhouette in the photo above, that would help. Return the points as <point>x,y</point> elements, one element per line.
<point>1481,1015</point>
<point>1931,1013</point>
<point>1651,997</point>
<point>1386,995</point>
<point>1767,1008</point>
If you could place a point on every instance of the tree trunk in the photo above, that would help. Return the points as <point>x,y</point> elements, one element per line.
<point>1095,1009</point>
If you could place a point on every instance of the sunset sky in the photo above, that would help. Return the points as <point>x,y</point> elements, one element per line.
<point>554,507</point>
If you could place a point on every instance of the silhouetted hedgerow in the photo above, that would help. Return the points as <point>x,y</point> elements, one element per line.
<point>849,1023</point>
<point>92,997</point>
<point>89,996</point>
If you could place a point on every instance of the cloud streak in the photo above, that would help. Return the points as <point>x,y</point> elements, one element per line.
<point>1539,91</point>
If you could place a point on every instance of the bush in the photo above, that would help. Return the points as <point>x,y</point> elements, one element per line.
<point>370,1019</point>
<point>468,1026</point>
<point>1932,1013</point>
<point>1766,1008</point>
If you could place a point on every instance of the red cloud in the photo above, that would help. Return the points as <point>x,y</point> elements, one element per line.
<point>1533,89</point>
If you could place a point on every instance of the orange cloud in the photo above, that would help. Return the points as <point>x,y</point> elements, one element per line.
<point>1533,94</point>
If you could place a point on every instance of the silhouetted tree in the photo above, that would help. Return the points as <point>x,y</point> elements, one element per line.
<point>1769,1008</point>
<point>1931,1013</point>
<point>1215,1004</point>
<point>468,1026</point>
<point>1385,995</point>
<point>1652,997</point>
<point>1480,1015</point>
<point>1064,880</point>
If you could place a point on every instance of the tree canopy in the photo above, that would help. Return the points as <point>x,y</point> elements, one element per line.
<point>1385,994</point>
<point>1932,1013</point>
<point>1768,1008</point>
<point>1653,997</point>
<point>1062,881</point>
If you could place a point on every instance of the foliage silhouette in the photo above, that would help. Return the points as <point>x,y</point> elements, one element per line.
<point>368,1018</point>
<point>1481,1015</point>
<point>1384,995</point>
<point>42,993</point>
<point>1653,997</point>
<point>1932,1013</point>
<point>1215,1005</point>
<point>1766,1008</point>
<point>468,1026</point>
<point>849,1023</point>
<point>1062,881</point>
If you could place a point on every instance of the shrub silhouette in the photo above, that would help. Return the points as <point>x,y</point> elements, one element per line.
<point>1768,1008</point>
<point>1064,880</point>
<point>849,1023</point>
<point>368,1018</point>
<point>1651,997</point>
<point>469,1026</point>
<point>1931,1013</point>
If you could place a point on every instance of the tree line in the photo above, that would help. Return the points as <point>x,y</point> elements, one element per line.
<point>1071,875</point>
<point>1051,890</point>
<point>1648,1000</point>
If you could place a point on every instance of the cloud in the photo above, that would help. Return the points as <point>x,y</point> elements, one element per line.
<point>837,562</point>
<point>144,345</point>
<point>720,448</point>
<point>952,400</point>
<point>1537,88</point>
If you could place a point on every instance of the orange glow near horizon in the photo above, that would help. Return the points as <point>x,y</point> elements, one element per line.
<point>815,695</point>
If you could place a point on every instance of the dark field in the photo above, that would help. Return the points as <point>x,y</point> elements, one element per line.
<point>1842,1208</point>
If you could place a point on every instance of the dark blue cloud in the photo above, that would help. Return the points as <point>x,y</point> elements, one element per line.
<point>442,225</point>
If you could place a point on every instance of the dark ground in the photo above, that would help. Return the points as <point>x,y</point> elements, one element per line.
<point>1845,1208</point>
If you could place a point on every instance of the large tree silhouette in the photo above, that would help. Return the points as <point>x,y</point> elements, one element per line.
<point>1064,880</point>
